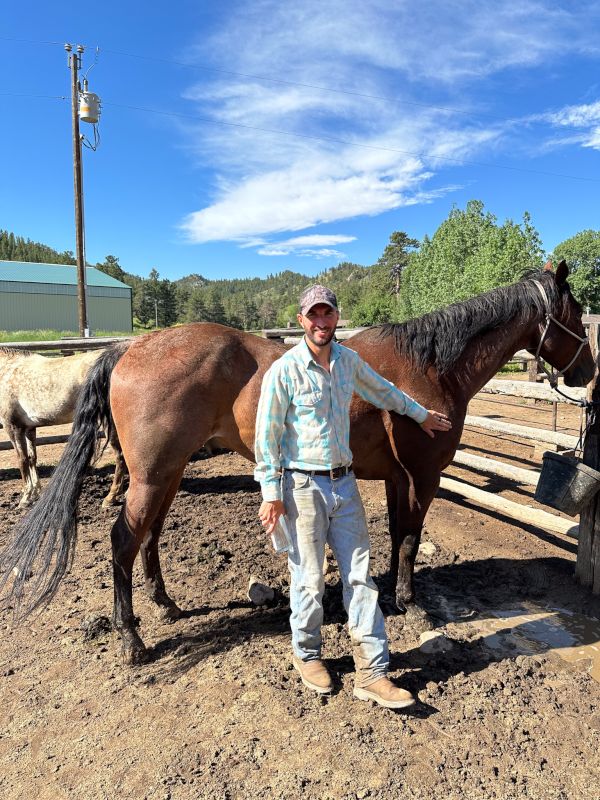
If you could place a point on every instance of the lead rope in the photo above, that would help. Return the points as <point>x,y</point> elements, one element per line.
<point>591,413</point>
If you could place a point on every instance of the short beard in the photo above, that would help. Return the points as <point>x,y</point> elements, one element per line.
<point>321,343</point>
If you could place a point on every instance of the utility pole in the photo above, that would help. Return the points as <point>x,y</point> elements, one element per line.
<point>75,65</point>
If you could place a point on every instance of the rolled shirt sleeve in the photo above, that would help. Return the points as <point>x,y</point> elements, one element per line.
<point>378,391</point>
<point>270,420</point>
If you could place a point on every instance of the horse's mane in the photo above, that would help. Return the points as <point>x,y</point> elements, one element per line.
<point>439,338</point>
<point>14,352</point>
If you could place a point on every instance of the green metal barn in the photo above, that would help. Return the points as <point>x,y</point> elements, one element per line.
<point>44,296</point>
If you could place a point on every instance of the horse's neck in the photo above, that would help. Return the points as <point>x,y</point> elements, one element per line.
<point>484,355</point>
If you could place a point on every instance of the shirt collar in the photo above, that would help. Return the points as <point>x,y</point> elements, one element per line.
<point>306,355</point>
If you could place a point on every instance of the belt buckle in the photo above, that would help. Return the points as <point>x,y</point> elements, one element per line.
<point>336,473</point>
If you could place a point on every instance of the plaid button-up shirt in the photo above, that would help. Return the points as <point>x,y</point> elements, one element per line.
<point>302,420</point>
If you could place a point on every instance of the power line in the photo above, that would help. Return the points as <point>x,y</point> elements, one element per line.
<point>330,139</point>
<point>280,81</point>
<point>355,144</point>
<point>41,96</point>
<point>28,41</point>
<point>204,68</point>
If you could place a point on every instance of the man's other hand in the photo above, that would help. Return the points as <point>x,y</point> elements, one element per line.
<point>436,421</point>
<point>269,512</point>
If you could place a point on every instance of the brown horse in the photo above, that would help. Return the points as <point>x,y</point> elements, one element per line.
<point>172,391</point>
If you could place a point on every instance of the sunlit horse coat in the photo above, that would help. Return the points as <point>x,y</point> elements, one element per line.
<point>170,392</point>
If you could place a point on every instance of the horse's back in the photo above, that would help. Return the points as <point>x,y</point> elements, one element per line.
<point>39,390</point>
<point>185,385</point>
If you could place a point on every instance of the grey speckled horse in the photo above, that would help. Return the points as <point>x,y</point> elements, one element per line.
<point>36,391</point>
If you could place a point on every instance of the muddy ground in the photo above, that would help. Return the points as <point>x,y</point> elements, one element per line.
<point>219,712</point>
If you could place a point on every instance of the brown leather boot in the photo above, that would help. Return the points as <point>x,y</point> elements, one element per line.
<point>314,675</point>
<point>385,693</point>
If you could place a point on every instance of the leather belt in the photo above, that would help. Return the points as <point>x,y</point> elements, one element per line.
<point>334,473</point>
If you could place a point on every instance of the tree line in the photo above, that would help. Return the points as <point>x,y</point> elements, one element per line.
<point>469,253</point>
<point>17,248</point>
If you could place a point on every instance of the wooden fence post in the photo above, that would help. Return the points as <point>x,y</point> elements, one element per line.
<point>587,569</point>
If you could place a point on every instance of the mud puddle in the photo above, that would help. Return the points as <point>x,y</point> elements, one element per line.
<point>528,629</point>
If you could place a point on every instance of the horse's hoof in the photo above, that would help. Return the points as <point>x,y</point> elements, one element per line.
<point>133,650</point>
<point>133,655</point>
<point>109,501</point>
<point>169,613</point>
<point>390,606</point>
<point>418,619</point>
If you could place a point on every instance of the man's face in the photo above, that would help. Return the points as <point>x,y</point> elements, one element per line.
<point>319,324</point>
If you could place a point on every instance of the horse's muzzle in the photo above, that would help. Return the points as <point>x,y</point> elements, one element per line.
<point>579,376</point>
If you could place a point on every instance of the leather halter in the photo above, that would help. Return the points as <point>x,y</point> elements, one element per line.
<point>583,340</point>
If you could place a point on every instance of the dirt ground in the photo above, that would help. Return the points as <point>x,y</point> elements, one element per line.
<point>219,712</point>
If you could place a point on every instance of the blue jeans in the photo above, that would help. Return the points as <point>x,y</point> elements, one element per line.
<point>321,510</point>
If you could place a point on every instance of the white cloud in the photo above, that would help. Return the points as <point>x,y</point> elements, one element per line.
<point>301,197</point>
<point>585,118</point>
<point>318,253</point>
<point>314,246</point>
<point>321,239</point>
<point>306,172</point>
<point>326,187</point>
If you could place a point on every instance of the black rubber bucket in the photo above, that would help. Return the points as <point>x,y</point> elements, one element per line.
<point>566,483</point>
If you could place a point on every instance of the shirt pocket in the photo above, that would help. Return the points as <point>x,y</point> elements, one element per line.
<point>306,401</point>
<point>344,394</point>
<point>347,390</point>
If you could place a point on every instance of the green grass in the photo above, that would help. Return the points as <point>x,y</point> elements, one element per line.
<point>49,335</point>
<point>511,368</point>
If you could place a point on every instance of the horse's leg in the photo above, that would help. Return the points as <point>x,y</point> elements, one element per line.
<point>412,507</point>
<point>391,493</point>
<point>34,479</point>
<point>405,533</point>
<point>117,488</point>
<point>139,511</point>
<point>168,610</point>
<point>19,442</point>
<point>409,539</point>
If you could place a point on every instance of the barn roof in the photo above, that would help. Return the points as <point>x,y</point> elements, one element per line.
<point>63,274</point>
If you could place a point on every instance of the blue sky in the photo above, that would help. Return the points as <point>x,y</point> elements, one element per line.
<point>294,135</point>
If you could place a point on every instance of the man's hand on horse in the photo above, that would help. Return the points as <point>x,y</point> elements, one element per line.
<point>435,421</point>
<point>269,512</point>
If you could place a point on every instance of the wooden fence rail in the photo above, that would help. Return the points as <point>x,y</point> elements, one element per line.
<point>66,345</point>
<point>534,391</point>
<point>528,477</point>
<point>520,511</point>
<point>523,432</point>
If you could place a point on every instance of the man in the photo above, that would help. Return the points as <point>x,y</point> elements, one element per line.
<point>304,465</point>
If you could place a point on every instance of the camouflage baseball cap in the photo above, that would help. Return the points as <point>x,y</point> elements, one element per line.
<point>315,294</point>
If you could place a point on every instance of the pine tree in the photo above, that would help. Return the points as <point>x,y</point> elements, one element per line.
<point>196,309</point>
<point>110,266</point>
<point>214,308</point>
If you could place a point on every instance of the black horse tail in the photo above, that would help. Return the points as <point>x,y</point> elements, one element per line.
<point>41,549</point>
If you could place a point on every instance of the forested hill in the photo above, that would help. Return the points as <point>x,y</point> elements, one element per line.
<point>17,248</point>
<point>242,302</point>
<point>469,253</point>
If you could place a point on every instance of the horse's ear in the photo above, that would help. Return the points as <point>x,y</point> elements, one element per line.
<point>562,272</point>
<point>548,267</point>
